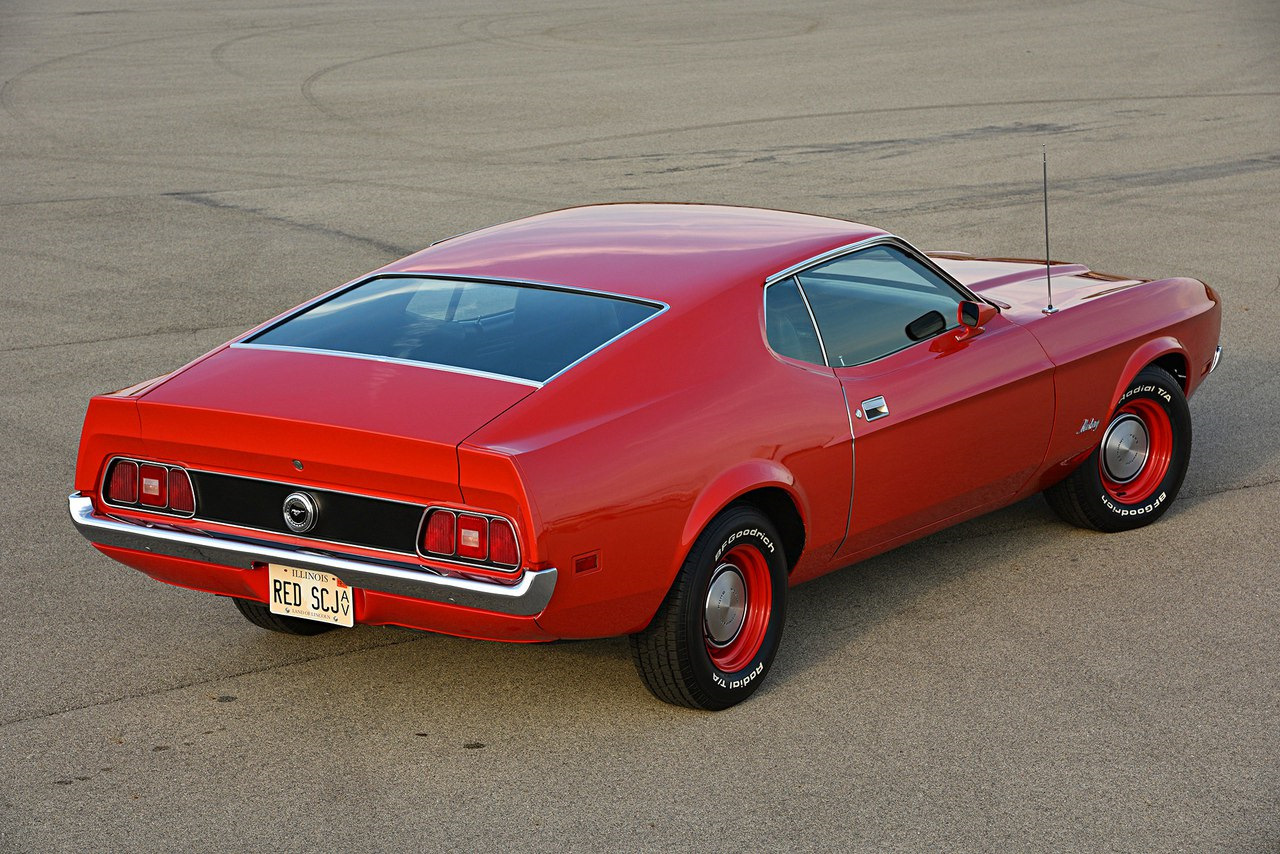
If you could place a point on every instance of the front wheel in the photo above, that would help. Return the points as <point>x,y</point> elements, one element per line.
<point>1134,474</point>
<point>715,635</point>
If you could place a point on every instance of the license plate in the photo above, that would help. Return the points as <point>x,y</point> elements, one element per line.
<point>310,595</point>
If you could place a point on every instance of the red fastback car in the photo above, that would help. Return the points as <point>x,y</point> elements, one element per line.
<point>640,419</point>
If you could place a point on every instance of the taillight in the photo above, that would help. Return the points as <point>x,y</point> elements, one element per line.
<point>470,537</point>
<point>439,536</point>
<point>123,485</point>
<point>473,537</point>
<point>154,491</point>
<point>152,486</point>
<point>181,497</point>
<point>502,543</point>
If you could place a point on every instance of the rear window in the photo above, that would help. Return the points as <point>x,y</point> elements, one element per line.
<point>520,331</point>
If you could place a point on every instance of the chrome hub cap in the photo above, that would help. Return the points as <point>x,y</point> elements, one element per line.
<point>726,605</point>
<point>1125,446</point>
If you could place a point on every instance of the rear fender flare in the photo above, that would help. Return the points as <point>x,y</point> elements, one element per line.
<point>727,488</point>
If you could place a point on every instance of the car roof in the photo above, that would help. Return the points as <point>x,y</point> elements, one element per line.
<point>672,253</point>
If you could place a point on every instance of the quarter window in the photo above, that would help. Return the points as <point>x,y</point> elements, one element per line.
<point>788,325</point>
<point>875,302</point>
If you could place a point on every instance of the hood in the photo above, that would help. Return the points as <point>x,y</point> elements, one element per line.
<point>1020,282</point>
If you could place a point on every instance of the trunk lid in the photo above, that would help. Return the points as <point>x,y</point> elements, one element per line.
<point>351,423</point>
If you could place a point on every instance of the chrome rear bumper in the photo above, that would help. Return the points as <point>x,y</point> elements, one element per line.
<point>524,599</point>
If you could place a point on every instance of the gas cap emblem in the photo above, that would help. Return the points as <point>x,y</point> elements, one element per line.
<point>300,512</point>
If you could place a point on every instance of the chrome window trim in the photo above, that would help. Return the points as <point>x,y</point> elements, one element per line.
<point>896,242</point>
<point>390,360</point>
<point>822,345</point>
<point>662,309</point>
<point>812,321</point>
<point>878,240</point>
<point>243,343</point>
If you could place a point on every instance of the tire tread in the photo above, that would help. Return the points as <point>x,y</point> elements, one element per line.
<point>661,657</point>
<point>260,615</point>
<point>1072,498</point>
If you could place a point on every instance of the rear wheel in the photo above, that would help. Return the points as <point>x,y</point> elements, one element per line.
<point>260,615</point>
<point>714,636</point>
<point>1135,473</point>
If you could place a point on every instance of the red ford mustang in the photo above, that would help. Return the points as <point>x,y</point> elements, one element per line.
<point>640,419</point>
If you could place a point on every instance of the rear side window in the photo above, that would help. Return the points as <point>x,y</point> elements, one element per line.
<point>875,302</point>
<point>788,325</point>
<point>519,331</point>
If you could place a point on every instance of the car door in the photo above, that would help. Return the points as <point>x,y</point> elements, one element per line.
<point>946,419</point>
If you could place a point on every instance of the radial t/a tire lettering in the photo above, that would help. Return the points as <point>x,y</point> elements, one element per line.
<point>714,637</point>
<point>1134,474</point>
<point>260,615</point>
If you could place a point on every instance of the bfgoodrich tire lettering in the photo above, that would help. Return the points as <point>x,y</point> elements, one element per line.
<point>1134,474</point>
<point>714,637</point>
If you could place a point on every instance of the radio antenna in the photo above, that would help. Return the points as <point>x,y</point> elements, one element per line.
<point>1048,279</point>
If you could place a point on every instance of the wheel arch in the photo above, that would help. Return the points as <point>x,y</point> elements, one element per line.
<point>763,484</point>
<point>1165,352</point>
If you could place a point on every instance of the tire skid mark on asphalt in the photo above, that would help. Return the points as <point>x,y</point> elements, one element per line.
<point>30,252</point>
<point>218,52</point>
<point>839,114</point>
<point>308,86</point>
<point>797,153</point>
<point>8,98</point>
<point>554,39</point>
<point>292,180</point>
<point>1166,9</point>
<point>195,683</point>
<point>232,330</point>
<point>207,200</point>
<point>1005,195</point>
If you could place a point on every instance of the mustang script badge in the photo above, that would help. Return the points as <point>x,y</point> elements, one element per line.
<point>300,512</point>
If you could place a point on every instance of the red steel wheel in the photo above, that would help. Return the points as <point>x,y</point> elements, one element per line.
<point>1135,451</point>
<point>714,636</point>
<point>1133,475</point>
<point>737,608</point>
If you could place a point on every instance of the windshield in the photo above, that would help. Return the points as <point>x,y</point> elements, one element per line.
<point>522,331</point>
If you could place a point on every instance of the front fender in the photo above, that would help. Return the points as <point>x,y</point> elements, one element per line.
<point>1143,356</point>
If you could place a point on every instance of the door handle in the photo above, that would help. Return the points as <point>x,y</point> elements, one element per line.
<point>875,407</point>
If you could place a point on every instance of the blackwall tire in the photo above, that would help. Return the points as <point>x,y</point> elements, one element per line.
<point>260,615</point>
<point>714,637</point>
<point>1134,474</point>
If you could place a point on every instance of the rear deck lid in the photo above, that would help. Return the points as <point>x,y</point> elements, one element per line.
<point>326,419</point>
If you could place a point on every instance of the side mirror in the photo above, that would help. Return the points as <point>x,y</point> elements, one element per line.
<point>976,315</point>
<point>973,316</point>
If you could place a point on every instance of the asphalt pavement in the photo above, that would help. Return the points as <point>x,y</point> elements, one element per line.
<point>172,173</point>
